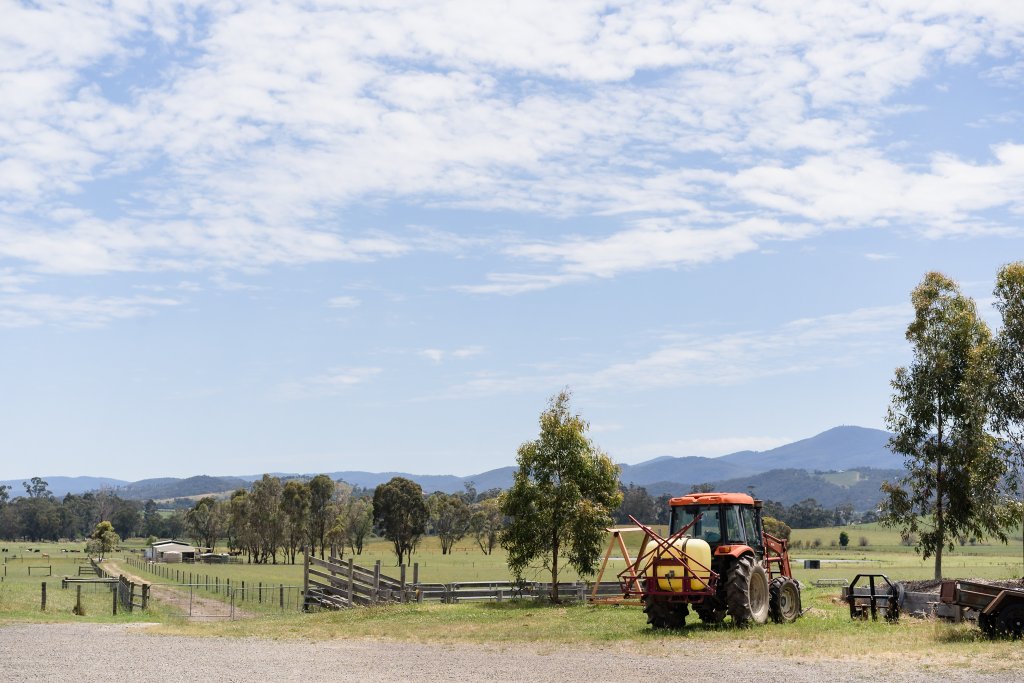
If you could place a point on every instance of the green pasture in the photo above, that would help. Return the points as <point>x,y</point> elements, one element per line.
<point>24,571</point>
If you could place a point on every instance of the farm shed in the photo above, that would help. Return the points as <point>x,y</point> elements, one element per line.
<point>175,551</point>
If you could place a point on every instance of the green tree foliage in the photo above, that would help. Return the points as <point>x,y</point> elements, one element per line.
<point>776,527</point>
<point>486,523</point>
<point>1008,402</point>
<point>205,522</point>
<point>359,523</point>
<point>266,520</point>
<point>561,498</point>
<point>106,539</point>
<point>844,539</point>
<point>449,518</point>
<point>321,493</point>
<point>638,503</point>
<point>295,508</point>
<point>401,513</point>
<point>938,416</point>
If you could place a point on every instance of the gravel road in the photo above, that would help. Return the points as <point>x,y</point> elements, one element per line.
<point>101,652</point>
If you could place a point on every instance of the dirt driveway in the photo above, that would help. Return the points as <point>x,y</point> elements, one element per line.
<point>87,652</point>
<point>183,600</point>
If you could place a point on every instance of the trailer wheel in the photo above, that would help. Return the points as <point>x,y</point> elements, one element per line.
<point>1011,621</point>
<point>747,592</point>
<point>784,603</point>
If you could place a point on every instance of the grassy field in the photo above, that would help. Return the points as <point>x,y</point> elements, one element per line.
<point>825,631</point>
<point>24,572</point>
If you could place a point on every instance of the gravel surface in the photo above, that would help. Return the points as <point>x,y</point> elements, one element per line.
<point>100,652</point>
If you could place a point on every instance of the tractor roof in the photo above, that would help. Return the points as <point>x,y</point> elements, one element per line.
<point>712,499</point>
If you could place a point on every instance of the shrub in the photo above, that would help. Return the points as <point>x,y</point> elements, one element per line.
<point>862,541</point>
<point>844,539</point>
<point>832,543</point>
<point>816,543</point>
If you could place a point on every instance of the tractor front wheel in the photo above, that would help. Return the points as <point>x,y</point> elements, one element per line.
<point>662,614</point>
<point>747,592</point>
<point>784,600</point>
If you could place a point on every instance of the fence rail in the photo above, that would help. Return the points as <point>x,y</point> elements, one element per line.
<point>334,584</point>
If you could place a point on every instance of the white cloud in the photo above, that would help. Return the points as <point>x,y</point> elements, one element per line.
<point>32,309</point>
<point>729,359</point>
<point>438,355</point>
<point>246,150</point>
<point>330,383</point>
<point>343,302</point>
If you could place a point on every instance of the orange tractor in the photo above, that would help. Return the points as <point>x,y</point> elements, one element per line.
<point>717,560</point>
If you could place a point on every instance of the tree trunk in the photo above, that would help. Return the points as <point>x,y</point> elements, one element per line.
<point>554,569</point>
<point>940,527</point>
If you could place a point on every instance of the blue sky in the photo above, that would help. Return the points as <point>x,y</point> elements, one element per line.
<point>247,237</point>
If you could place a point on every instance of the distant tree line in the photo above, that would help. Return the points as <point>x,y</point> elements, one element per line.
<point>40,516</point>
<point>807,514</point>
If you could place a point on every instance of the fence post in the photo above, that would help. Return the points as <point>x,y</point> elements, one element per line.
<point>145,596</point>
<point>131,595</point>
<point>402,579</point>
<point>42,604</point>
<point>351,571</point>
<point>305,570</point>
<point>282,597</point>
<point>415,573</point>
<point>117,589</point>
<point>259,593</point>
<point>78,600</point>
<point>376,581</point>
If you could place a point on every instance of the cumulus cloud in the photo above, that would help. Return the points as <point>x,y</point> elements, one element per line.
<point>32,309</point>
<point>711,130</point>
<point>728,359</point>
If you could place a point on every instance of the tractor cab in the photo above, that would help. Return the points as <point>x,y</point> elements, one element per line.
<point>721,519</point>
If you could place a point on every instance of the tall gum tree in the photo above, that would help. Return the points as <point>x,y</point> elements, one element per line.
<point>938,416</point>
<point>1008,401</point>
<point>561,498</point>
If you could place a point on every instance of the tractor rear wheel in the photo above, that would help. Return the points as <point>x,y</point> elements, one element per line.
<point>784,600</point>
<point>662,614</point>
<point>747,592</point>
<point>711,615</point>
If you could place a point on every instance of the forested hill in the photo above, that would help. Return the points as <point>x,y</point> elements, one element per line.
<point>780,473</point>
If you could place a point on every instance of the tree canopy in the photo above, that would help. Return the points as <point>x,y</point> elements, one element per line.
<point>401,514</point>
<point>938,416</point>
<point>561,498</point>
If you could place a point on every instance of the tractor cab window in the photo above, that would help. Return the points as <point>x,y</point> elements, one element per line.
<point>732,523</point>
<point>754,539</point>
<point>708,527</point>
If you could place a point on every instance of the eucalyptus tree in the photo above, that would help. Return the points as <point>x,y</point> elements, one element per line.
<point>295,508</point>
<point>401,513</point>
<point>938,416</point>
<point>449,517</point>
<point>1008,402</point>
<point>561,498</point>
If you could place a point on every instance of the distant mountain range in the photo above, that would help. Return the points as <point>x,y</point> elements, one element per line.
<point>786,474</point>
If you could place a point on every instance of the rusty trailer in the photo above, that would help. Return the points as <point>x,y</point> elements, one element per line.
<point>1000,609</point>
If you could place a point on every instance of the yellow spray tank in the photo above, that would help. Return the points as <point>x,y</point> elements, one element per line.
<point>695,553</point>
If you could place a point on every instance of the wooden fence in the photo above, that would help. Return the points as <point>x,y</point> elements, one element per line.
<point>130,595</point>
<point>335,584</point>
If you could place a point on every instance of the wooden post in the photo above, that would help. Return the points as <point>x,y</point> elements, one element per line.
<point>415,573</point>
<point>42,603</point>
<point>376,581</point>
<point>131,595</point>
<point>117,588</point>
<point>305,570</point>
<point>259,593</point>
<point>282,597</point>
<point>351,571</point>
<point>402,579</point>
<point>145,596</point>
<point>78,600</point>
